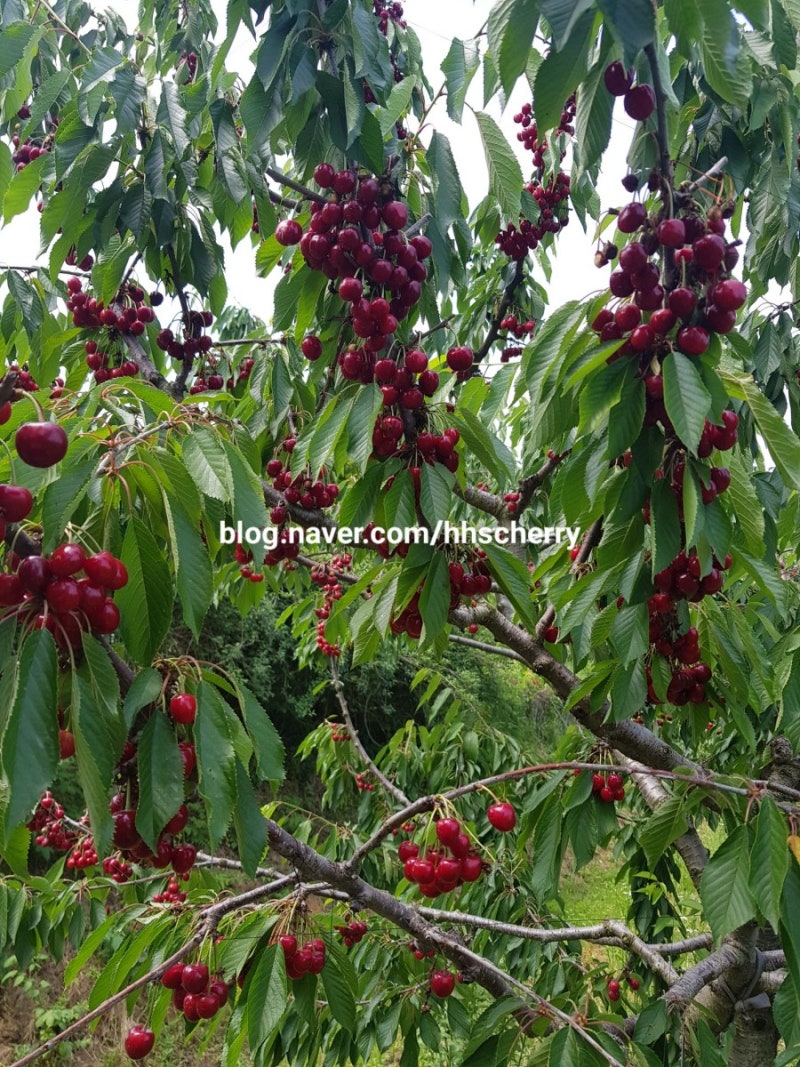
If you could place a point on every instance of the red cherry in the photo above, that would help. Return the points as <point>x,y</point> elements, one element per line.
<point>34,573</point>
<point>613,990</point>
<point>288,232</point>
<point>182,858</point>
<point>41,444</point>
<point>617,80</point>
<point>172,978</point>
<point>671,233</point>
<point>67,560</point>
<point>407,850</point>
<point>447,830</point>
<point>324,175</point>
<point>640,101</point>
<point>16,502</point>
<point>66,744</point>
<point>730,294</point>
<point>105,619</point>
<point>502,816</point>
<point>101,569</point>
<point>311,347</point>
<point>460,358</point>
<point>709,251</point>
<point>139,1042</point>
<point>195,978</point>
<point>12,591</point>
<point>394,214</point>
<point>189,757</point>
<point>682,301</point>
<point>693,340</point>
<point>63,595</point>
<point>632,217</point>
<point>183,707</point>
<point>442,983</point>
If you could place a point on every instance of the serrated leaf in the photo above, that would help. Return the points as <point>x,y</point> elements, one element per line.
<point>513,577</point>
<point>562,16</point>
<point>434,601</point>
<point>725,63</point>
<point>160,774</point>
<point>249,823</point>
<point>267,744</point>
<point>665,527</point>
<point>29,747</point>
<point>194,575</point>
<point>216,761</point>
<point>511,26</point>
<point>145,689</point>
<point>724,886</point>
<point>207,463</point>
<point>485,446</point>
<point>339,983</point>
<point>267,996</point>
<point>686,398</point>
<point>436,492</point>
<point>145,603</point>
<point>560,74</point>
<point>633,21</point>
<point>505,174</point>
<point>628,691</point>
<point>594,109</point>
<point>447,189</point>
<point>629,633</point>
<point>459,68</point>
<point>665,825</point>
<point>783,445</point>
<point>769,860</point>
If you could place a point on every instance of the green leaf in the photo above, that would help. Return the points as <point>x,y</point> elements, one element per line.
<point>769,860</point>
<point>783,445</point>
<point>628,691</point>
<point>207,464</point>
<point>249,823</point>
<point>146,689</point>
<point>99,737</point>
<point>447,188</point>
<point>665,527</point>
<point>194,575</point>
<point>160,773</point>
<point>633,22</point>
<point>145,603</point>
<point>397,105</point>
<point>725,64</point>
<point>216,761</point>
<point>436,492</point>
<point>594,108</point>
<point>562,16</point>
<point>62,497</point>
<point>459,67</point>
<point>29,748</point>
<point>505,174</point>
<point>267,996</point>
<point>434,601</point>
<point>267,744</point>
<point>512,24</point>
<point>724,886</point>
<point>652,1023</point>
<point>560,74</point>
<point>686,398</point>
<point>629,632</point>
<point>513,577</point>
<point>665,825</point>
<point>339,982</point>
<point>485,446</point>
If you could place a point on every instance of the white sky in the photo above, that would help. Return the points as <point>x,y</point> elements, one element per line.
<point>574,274</point>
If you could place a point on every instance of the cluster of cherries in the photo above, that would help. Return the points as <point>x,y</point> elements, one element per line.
<point>301,960</point>
<point>639,100</point>
<point>25,152</point>
<point>608,788</point>
<point>681,580</point>
<point>356,237</point>
<point>614,986</point>
<point>68,592</point>
<point>25,381</point>
<point>128,840</point>
<point>195,341</point>
<point>49,827</point>
<point>339,734</point>
<point>129,314</point>
<point>352,933</point>
<point>520,331</point>
<point>194,991</point>
<point>327,578</point>
<point>551,198</point>
<point>299,489</point>
<point>209,379</point>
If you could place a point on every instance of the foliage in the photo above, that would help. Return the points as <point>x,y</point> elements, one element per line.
<point>413,376</point>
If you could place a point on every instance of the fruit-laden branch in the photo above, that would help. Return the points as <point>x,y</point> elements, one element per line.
<point>490,503</point>
<point>531,482</point>
<point>390,787</point>
<point>290,183</point>
<point>500,314</point>
<point>634,740</point>
<point>310,864</point>
<point>146,366</point>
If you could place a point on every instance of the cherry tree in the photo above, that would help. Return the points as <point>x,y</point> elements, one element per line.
<point>410,372</point>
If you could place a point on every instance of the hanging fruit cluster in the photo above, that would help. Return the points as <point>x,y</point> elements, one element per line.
<point>551,196</point>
